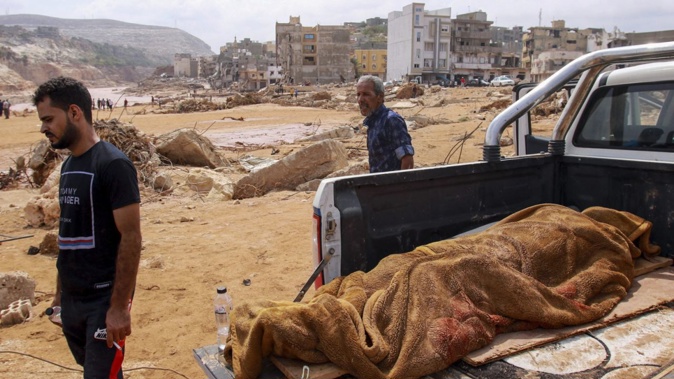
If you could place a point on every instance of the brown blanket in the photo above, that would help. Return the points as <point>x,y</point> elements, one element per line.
<point>416,313</point>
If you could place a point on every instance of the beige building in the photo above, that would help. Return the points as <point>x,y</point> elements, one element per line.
<point>186,66</point>
<point>316,55</point>
<point>547,49</point>
<point>371,62</point>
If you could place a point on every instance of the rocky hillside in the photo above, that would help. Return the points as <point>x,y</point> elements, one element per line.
<point>158,42</point>
<point>101,53</point>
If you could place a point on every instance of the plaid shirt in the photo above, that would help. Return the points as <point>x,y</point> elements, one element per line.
<point>387,140</point>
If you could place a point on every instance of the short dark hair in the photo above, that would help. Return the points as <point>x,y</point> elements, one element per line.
<point>64,91</point>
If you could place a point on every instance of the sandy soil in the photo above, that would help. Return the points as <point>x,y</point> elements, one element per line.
<point>265,239</point>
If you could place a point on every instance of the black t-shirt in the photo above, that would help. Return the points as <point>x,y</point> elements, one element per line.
<point>92,186</point>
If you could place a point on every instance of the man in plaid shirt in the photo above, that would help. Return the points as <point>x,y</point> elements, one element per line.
<point>389,145</point>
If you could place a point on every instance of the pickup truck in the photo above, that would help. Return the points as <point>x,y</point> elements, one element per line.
<point>613,146</point>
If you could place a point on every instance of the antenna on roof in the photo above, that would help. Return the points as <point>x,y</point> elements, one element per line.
<point>540,15</point>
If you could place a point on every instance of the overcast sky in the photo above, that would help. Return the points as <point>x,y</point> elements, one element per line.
<point>217,22</point>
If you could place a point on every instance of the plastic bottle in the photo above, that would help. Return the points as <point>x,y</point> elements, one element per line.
<point>223,306</point>
<point>54,314</point>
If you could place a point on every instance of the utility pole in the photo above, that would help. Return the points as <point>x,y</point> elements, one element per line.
<point>540,15</point>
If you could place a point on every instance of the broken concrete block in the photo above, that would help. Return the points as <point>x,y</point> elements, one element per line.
<point>17,312</point>
<point>15,286</point>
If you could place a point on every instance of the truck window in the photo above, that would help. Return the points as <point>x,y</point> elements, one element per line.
<point>631,117</point>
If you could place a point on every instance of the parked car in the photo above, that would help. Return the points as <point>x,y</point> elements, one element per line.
<point>477,83</point>
<point>502,80</point>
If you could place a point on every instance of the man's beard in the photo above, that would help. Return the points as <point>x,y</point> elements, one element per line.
<point>70,134</point>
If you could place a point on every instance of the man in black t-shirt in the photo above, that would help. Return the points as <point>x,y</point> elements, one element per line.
<point>99,230</point>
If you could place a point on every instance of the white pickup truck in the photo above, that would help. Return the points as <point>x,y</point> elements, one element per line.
<point>613,146</point>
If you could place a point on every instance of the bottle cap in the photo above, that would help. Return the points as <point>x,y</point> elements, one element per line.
<point>49,311</point>
<point>222,289</point>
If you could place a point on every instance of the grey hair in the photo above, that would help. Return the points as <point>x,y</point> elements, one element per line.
<point>376,81</point>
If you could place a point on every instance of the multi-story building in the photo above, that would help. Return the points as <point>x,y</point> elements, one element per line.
<point>547,49</point>
<point>509,40</point>
<point>418,44</point>
<point>371,58</point>
<point>317,55</point>
<point>472,50</point>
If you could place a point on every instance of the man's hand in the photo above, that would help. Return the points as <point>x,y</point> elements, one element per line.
<point>118,324</point>
<point>407,162</point>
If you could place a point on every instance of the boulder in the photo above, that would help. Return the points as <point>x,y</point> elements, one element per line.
<point>313,162</point>
<point>187,147</point>
<point>340,132</point>
<point>15,286</point>
<point>214,185</point>
<point>49,245</point>
<point>43,210</point>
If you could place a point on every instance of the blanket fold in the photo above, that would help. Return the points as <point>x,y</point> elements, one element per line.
<point>416,313</point>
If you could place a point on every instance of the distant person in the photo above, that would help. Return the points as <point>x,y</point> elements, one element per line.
<point>414,91</point>
<point>389,145</point>
<point>296,92</point>
<point>5,107</point>
<point>126,102</point>
<point>152,100</point>
<point>99,234</point>
<point>463,82</point>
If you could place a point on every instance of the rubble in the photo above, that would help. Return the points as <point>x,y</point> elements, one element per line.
<point>15,286</point>
<point>312,162</point>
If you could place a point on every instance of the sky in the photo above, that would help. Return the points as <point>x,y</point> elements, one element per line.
<point>217,22</point>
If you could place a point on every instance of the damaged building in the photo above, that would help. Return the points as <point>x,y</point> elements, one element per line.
<point>313,55</point>
<point>429,46</point>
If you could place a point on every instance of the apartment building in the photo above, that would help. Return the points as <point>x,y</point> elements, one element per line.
<point>316,55</point>
<point>371,59</point>
<point>418,44</point>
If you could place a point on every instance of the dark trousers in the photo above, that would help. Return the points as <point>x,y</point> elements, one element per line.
<point>85,331</point>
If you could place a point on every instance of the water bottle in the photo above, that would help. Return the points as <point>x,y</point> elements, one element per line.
<point>223,306</point>
<point>54,314</point>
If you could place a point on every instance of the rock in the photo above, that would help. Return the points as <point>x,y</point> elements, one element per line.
<point>15,286</point>
<point>313,162</point>
<point>340,132</point>
<point>186,147</point>
<point>49,245</point>
<point>43,210</point>
<point>42,161</point>
<point>162,181</point>
<point>214,185</point>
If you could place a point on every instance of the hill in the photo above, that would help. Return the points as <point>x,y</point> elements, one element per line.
<point>99,52</point>
<point>158,42</point>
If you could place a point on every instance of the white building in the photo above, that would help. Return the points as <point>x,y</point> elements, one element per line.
<point>419,44</point>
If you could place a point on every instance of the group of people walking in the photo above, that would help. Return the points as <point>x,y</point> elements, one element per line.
<point>102,103</point>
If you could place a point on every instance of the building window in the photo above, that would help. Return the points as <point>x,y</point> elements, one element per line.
<point>364,57</point>
<point>309,49</point>
<point>416,19</point>
<point>444,28</point>
<point>429,46</point>
<point>442,63</point>
<point>428,63</point>
<point>309,36</point>
<point>416,65</point>
<point>443,47</point>
<point>418,53</point>
<point>374,66</point>
<point>384,57</point>
<point>482,60</point>
<point>418,36</point>
<point>309,61</point>
<point>374,57</point>
<point>364,66</point>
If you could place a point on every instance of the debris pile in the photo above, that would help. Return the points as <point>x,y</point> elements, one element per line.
<point>496,105</point>
<point>134,143</point>
<point>407,91</point>
<point>247,99</point>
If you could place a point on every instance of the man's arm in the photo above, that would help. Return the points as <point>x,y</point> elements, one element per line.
<point>407,162</point>
<point>118,318</point>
